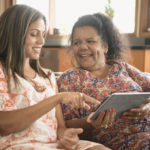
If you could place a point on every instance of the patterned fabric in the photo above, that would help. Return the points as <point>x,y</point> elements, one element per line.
<point>41,135</point>
<point>122,77</point>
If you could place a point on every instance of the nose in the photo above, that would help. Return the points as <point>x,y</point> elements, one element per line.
<point>83,45</point>
<point>41,40</point>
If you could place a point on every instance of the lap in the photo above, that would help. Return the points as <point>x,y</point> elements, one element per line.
<point>82,145</point>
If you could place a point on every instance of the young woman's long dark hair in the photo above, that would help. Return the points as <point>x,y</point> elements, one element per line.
<point>14,23</point>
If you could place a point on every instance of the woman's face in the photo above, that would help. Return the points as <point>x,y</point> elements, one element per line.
<point>88,48</point>
<point>35,39</point>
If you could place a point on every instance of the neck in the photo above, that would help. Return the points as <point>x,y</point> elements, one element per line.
<point>29,72</point>
<point>100,72</point>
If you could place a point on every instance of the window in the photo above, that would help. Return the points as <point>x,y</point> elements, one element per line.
<point>130,16</point>
<point>38,4</point>
<point>67,12</point>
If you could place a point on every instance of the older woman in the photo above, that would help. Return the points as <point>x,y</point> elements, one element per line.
<point>99,70</point>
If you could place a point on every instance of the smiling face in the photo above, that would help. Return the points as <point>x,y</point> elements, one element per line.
<point>35,39</point>
<point>88,48</point>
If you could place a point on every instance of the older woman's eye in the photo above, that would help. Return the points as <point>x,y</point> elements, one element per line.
<point>76,43</point>
<point>91,41</point>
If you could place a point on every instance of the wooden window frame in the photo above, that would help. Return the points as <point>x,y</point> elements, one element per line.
<point>9,3</point>
<point>144,18</point>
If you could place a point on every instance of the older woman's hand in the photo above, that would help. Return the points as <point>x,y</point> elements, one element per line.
<point>139,113</point>
<point>104,120</point>
<point>78,100</point>
<point>70,139</point>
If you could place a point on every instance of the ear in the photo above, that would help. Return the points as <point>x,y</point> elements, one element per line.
<point>105,48</point>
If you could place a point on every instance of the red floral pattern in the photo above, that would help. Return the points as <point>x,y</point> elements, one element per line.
<point>122,77</point>
<point>42,134</point>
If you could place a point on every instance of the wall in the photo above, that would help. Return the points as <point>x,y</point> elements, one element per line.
<point>2,6</point>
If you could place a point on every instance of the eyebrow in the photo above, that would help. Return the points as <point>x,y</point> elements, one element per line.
<point>88,38</point>
<point>36,30</point>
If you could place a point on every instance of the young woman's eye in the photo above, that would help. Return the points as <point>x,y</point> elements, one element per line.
<point>33,34</point>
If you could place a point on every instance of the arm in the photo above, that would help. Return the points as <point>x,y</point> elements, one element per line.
<point>61,122</point>
<point>80,123</point>
<point>68,138</point>
<point>142,78</point>
<point>17,120</point>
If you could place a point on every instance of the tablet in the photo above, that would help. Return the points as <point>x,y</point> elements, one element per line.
<point>122,102</point>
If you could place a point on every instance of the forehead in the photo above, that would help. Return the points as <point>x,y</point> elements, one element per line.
<point>86,31</point>
<point>38,24</point>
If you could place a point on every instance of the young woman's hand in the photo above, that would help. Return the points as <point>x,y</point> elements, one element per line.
<point>78,100</point>
<point>70,139</point>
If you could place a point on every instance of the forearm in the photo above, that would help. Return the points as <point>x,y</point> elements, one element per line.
<point>60,132</point>
<point>79,123</point>
<point>17,120</point>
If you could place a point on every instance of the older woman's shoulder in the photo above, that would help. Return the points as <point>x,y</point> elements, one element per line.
<point>68,72</point>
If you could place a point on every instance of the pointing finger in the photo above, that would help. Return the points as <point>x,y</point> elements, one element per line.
<point>90,99</point>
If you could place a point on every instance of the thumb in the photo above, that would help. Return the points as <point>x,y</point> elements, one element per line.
<point>88,118</point>
<point>74,131</point>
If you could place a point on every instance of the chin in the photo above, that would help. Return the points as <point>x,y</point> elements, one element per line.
<point>36,56</point>
<point>86,68</point>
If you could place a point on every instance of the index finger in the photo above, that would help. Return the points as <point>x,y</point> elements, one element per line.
<point>91,100</point>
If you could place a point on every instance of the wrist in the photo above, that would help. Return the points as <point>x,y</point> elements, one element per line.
<point>60,97</point>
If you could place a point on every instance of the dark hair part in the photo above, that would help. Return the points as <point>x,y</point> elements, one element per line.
<point>14,23</point>
<point>117,43</point>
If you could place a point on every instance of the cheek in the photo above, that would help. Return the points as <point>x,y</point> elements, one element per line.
<point>75,52</point>
<point>100,55</point>
<point>27,48</point>
<point>28,44</point>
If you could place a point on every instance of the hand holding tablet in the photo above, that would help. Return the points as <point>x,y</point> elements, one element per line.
<point>122,102</point>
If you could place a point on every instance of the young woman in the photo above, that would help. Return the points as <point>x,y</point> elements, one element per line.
<point>28,118</point>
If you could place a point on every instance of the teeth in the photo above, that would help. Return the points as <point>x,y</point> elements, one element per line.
<point>37,49</point>
<point>84,55</point>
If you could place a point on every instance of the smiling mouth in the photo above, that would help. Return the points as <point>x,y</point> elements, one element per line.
<point>37,50</point>
<point>85,55</point>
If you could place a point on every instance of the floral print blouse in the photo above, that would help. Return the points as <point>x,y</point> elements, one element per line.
<point>42,134</point>
<point>122,77</point>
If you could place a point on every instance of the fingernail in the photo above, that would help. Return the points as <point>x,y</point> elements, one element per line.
<point>109,110</point>
<point>102,113</point>
<point>113,110</point>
